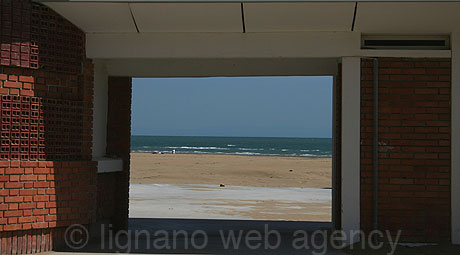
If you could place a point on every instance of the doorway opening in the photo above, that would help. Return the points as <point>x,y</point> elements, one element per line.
<point>239,152</point>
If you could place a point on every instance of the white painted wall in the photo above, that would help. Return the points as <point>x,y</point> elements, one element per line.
<point>100,110</point>
<point>351,98</point>
<point>289,45</point>
<point>455,143</point>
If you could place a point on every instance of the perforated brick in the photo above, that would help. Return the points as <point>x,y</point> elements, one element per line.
<point>57,137</point>
<point>34,36</point>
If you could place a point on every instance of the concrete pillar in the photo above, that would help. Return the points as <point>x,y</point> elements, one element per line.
<point>100,110</point>
<point>351,78</point>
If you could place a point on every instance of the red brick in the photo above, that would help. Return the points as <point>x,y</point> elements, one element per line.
<point>51,205</point>
<point>40,225</point>
<point>14,178</point>
<point>14,171</point>
<point>40,211</point>
<point>12,213</point>
<point>27,93</point>
<point>13,78</point>
<point>26,219</point>
<point>14,192</point>
<point>28,177</point>
<point>42,170</point>
<point>26,205</point>
<point>29,79</point>
<point>12,227</point>
<point>50,218</point>
<point>40,198</point>
<point>41,184</point>
<point>27,86</point>
<point>29,164</point>
<point>12,220</point>
<point>13,185</point>
<point>13,199</point>
<point>9,84</point>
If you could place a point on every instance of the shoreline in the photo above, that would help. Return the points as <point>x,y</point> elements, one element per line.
<point>232,154</point>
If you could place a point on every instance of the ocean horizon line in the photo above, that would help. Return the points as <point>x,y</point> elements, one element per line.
<point>288,137</point>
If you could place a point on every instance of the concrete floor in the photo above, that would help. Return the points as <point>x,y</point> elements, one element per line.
<point>218,212</point>
<point>217,234</point>
<point>231,202</point>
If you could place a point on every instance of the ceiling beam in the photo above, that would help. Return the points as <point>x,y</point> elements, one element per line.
<point>222,45</point>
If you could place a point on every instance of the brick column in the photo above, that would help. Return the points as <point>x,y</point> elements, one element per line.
<point>414,147</point>
<point>118,145</point>
<point>47,178</point>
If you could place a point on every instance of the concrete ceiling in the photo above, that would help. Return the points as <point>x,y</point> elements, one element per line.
<point>188,17</point>
<point>408,18</point>
<point>97,17</point>
<point>284,17</point>
<point>369,17</point>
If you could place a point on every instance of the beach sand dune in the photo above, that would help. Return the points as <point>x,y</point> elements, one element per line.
<point>252,171</point>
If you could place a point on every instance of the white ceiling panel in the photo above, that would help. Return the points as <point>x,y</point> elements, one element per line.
<point>280,17</point>
<point>188,17</point>
<point>407,18</point>
<point>97,17</point>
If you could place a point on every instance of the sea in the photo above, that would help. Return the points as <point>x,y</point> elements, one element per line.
<point>250,146</point>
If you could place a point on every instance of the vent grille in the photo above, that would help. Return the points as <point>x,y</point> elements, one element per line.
<point>405,43</point>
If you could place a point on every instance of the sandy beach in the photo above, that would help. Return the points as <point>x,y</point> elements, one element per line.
<point>256,187</point>
<point>251,171</point>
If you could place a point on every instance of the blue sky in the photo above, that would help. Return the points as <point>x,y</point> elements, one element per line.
<point>233,106</point>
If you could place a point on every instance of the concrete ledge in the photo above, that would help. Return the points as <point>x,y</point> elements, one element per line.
<point>109,165</point>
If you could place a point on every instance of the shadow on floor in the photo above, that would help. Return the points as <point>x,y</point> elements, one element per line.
<point>202,236</point>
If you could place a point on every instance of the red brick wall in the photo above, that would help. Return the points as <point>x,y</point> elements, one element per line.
<point>118,145</point>
<point>414,147</point>
<point>45,115</point>
<point>34,36</point>
<point>30,241</point>
<point>107,185</point>
<point>47,178</point>
<point>46,194</point>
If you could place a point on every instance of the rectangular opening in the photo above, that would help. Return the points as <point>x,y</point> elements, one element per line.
<point>233,152</point>
<point>406,42</point>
